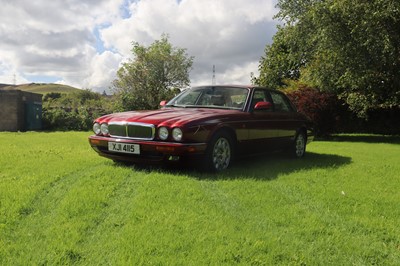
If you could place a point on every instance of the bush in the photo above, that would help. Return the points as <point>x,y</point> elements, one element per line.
<point>323,108</point>
<point>331,114</point>
<point>75,111</point>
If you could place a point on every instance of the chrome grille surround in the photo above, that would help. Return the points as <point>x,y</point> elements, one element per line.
<point>132,130</point>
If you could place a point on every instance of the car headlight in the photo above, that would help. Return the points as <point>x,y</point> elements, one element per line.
<point>104,129</point>
<point>163,133</point>
<point>96,128</point>
<point>177,134</point>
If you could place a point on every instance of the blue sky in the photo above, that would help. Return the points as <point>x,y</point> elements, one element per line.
<point>83,43</point>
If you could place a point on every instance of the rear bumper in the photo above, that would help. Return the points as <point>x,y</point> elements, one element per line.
<point>150,151</point>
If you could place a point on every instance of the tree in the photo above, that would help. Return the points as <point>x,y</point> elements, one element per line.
<point>154,74</point>
<point>349,47</point>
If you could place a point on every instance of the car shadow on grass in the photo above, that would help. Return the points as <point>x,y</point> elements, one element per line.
<point>270,167</point>
<point>263,167</point>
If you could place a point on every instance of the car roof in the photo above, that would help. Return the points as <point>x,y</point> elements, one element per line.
<point>236,86</point>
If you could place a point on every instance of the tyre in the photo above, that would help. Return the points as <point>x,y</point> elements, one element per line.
<point>219,152</point>
<point>299,146</point>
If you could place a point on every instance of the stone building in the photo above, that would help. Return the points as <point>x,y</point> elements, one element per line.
<point>20,110</point>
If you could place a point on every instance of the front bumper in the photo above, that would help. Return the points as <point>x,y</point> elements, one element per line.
<point>150,151</point>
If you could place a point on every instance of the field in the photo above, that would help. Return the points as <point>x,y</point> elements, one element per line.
<point>60,203</point>
<point>41,88</point>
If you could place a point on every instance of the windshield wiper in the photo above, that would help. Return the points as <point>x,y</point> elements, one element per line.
<point>173,105</point>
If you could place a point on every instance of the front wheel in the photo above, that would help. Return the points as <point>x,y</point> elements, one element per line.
<point>299,147</point>
<point>219,153</point>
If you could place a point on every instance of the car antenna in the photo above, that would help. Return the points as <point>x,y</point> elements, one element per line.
<point>213,76</point>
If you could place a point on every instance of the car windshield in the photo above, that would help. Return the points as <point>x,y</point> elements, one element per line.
<point>211,97</point>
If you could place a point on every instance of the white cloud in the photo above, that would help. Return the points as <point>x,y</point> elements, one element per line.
<point>52,39</point>
<point>82,42</point>
<point>104,69</point>
<point>226,33</point>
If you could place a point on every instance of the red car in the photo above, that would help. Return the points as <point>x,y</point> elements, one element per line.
<point>211,124</point>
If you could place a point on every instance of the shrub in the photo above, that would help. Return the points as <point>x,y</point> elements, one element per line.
<point>323,108</point>
<point>75,111</point>
<point>331,114</point>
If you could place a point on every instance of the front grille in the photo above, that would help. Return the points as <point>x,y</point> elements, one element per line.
<point>131,130</point>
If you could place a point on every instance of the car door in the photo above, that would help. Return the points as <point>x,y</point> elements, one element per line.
<point>285,119</point>
<point>261,124</point>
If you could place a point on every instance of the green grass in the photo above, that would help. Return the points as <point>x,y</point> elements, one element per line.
<point>43,88</point>
<point>60,203</point>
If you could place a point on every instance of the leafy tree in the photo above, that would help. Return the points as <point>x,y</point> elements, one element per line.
<point>282,60</point>
<point>154,74</point>
<point>349,47</point>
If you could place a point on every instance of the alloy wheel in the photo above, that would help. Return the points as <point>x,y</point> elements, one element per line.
<point>300,145</point>
<point>221,154</point>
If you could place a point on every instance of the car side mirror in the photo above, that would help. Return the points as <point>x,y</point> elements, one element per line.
<point>163,103</point>
<point>262,106</point>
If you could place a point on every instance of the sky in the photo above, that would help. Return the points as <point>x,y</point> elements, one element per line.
<point>82,43</point>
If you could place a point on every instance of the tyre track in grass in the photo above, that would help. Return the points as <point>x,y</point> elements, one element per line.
<point>30,162</point>
<point>237,233</point>
<point>166,219</point>
<point>37,198</point>
<point>33,187</point>
<point>47,190</point>
<point>52,222</point>
<point>118,235</point>
<point>111,219</point>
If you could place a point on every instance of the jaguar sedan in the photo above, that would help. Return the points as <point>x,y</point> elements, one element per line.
<point>211,124</point>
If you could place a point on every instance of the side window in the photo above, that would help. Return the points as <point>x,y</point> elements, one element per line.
<point>280,102</point>
<point>258,96</point>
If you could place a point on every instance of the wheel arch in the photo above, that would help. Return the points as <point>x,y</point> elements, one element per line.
<point>230,132</point>
<point>302,129</point>
<point>226,129</point>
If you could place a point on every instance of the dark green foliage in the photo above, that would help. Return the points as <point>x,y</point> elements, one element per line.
<point>350,48</point>
<point>52,96</point>
<point>330,114</point>
<point>74,111</point>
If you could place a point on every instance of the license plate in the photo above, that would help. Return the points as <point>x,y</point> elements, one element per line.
<point>124,147</point>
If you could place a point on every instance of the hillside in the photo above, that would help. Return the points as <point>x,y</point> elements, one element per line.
<point>41,88</point>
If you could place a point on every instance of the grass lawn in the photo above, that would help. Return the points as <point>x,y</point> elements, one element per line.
<point>61,203</point>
